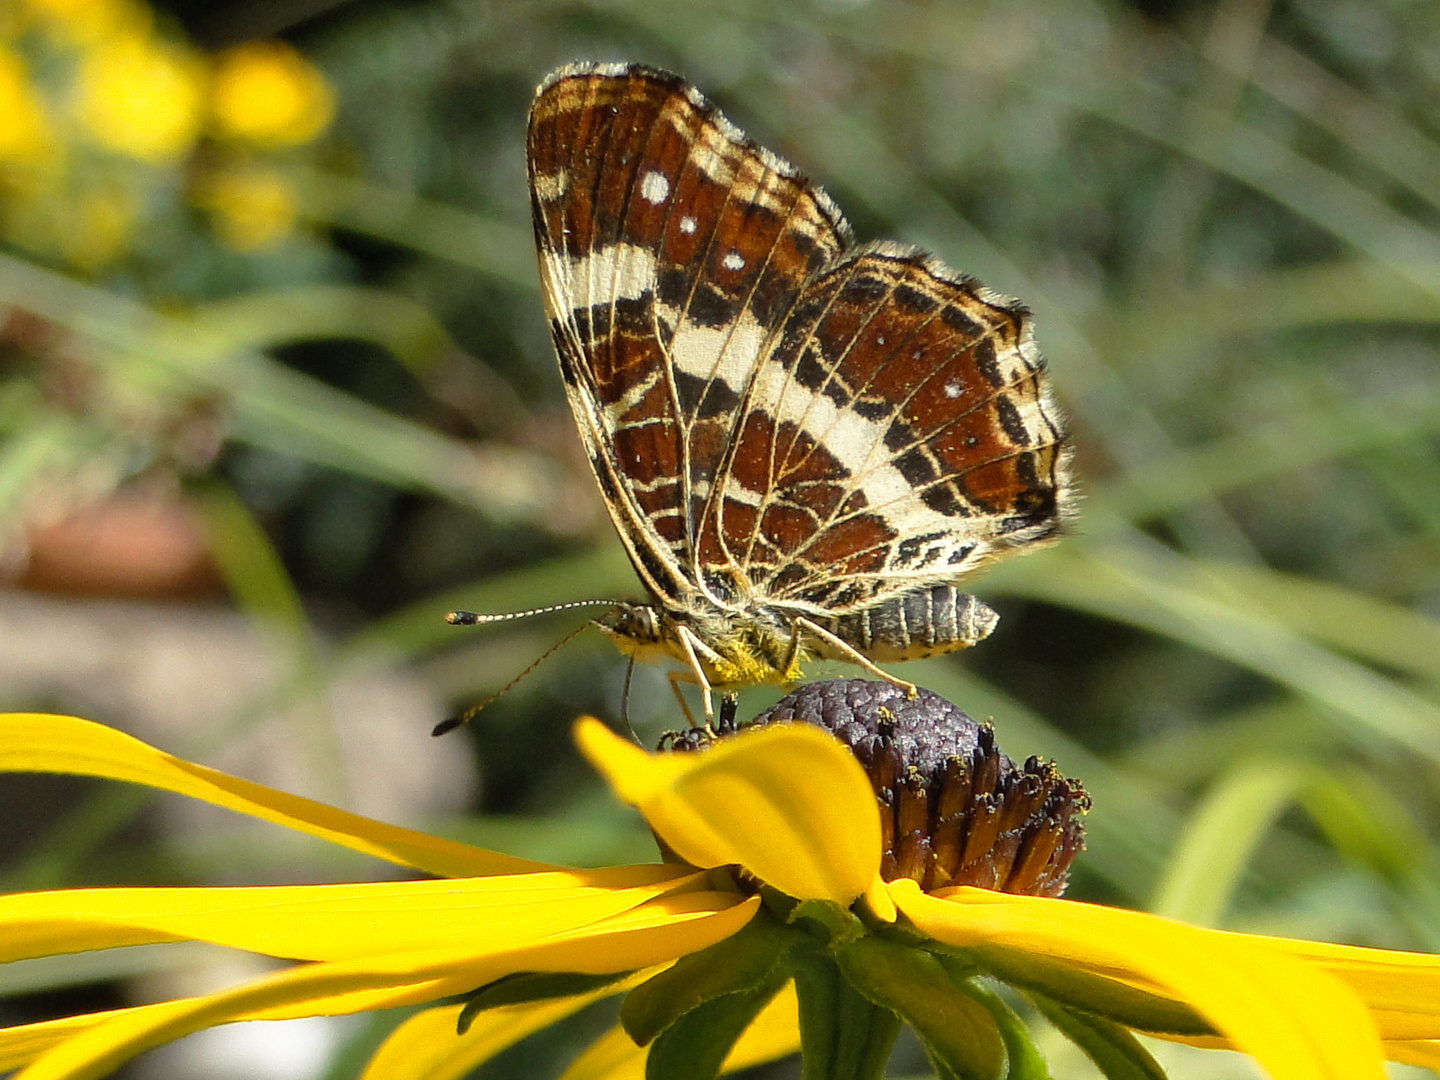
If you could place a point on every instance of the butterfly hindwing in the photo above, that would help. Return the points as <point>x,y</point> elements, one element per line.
<point>899,431</point>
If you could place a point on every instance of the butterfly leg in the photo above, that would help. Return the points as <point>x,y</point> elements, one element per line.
<point>848,651</point>
<point>676,678</point>
<point>688,643</point>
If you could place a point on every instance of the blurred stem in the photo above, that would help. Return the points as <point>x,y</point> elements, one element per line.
<point>277,407</point>
<point>1236,29</point>
<point>482,243</point>
<point>1210,857</point>
<point>1143,583</point>
<point>265,594</point>
<point>1379,135</point>
<point>59,857</point>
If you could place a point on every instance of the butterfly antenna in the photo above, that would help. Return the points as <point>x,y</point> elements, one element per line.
<point>475,710</point>
<point>475,618</point>
<point>625,703</point>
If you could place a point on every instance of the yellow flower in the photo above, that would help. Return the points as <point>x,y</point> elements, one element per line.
<point>141,97</point>
<point>265,92</point>
<point>253,205</point>
<point>707,952</point>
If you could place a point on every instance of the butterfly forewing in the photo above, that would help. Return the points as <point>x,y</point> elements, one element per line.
<point>783,426</point>
<point>668,247</point>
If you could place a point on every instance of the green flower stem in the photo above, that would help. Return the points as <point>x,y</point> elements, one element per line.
<point>843,1036</point>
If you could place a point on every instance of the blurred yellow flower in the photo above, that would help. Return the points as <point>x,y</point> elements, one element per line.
<point>86,22</point>
<point>141,97</point>
<point>265,92</point>
<point>253,205</point>
<point>24,128</point>
<point>102,222</point>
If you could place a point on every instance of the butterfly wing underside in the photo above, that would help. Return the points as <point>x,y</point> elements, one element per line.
<point>778,420</point>
<point>899,432</point>
<point>668,245</point>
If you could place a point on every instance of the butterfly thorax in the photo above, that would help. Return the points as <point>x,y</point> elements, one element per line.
<point>734,647</point>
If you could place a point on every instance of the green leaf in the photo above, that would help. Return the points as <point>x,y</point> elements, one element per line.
<point>527,986</point>
<point>961,1036</point>
<point>696,1045</point>
<point>1024,1060</point>
<point>1113,1049</point>
<point>1104,997</point>
<point>740,963</point>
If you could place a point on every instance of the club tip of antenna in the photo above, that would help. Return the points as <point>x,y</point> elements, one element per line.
<point>462,618</point>
<point>446,726</point>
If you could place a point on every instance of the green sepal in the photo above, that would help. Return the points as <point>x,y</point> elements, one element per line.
<point>843,1034</point>
<point>741,962</point>
<point>837,924</point>
<point>1126,1005</point>
<point>1024,1059</point>
<point>1113,1049</point>
<point>696,1045</point>
<point>527,986</point>
<point>960,1035</point>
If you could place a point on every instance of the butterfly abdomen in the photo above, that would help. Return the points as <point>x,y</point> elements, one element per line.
<point>925,622</point>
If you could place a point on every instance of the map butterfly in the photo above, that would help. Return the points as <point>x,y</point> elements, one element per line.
<point>803,443</point>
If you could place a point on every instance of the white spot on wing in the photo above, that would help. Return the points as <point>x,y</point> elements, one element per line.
<point>552,185</point>
<point>655,188</point>
<point>953,390</point>
<point>687,224</point>
<point>733,261</point>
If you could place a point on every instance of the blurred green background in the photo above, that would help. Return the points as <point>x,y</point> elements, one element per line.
<point>276,393</point>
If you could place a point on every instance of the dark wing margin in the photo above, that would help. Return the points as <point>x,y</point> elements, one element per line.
<point>669,245</point>
<point>900,432</point>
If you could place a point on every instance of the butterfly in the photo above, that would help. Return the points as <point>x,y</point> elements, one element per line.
<point>802,443</point>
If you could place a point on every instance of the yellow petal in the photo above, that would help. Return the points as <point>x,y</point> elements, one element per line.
<point>636,939</point>
<point>426,1047</point>
<point>1297,1020</point>
<point>268,93</point>
<point>141,96</point>
<point>1424,1052</point>
<point>788,803</point>
<point>34,742</point>
<point>1401,989</point>
<point>333,922</point>
<point>22,1043</point>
